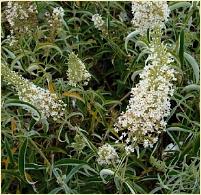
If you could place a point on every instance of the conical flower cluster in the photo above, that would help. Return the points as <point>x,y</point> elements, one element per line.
<point>48,104</point>
<point>107,155</point>
<point>77,73</point>
<point>149,14</point>
<point>149,104</point>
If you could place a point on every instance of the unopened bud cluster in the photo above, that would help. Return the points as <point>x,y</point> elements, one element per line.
<point>149,14</point>
<point>48,104</point>
<point>77,73</point>
<point>149,104</point>
<point>107,155</point>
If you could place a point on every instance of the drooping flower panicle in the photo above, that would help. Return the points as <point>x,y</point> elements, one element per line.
<point>149,14</point>
<point>48,104</point>
<point>149,104</point>
<point>107,155</point>
<point>22,19</point>
<point>77,73</point>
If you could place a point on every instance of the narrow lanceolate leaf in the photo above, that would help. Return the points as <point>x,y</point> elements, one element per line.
<point>22,156</point>
<point>194,65</point>
<point>129,37</point>
<point>178,129</point>
<point>14,102</point>
<point>181,47</point>
<point>8,150</point>
<point>56,190</point>
<point>192,87</point>
<point>179,4</point>
<point>104,173</point>
<point>22,162</point>
<point>16,60</point>
<point>48,46</point>
<point>135,74</point>
<point>73,172</point>
<point>132,190</point>
<point>67,162</point>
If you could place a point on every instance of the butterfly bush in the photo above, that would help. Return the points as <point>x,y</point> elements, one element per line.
<point>149,105</point>
<point>98,21</point>
<point>22,19</point>
<point>48,104</point>
<point>77,73</point>
<point>107,155</point>
<point>149,14</point>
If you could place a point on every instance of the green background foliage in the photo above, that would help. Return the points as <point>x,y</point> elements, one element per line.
<point>48,157</point>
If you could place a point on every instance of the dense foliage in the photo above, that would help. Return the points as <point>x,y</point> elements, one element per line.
<point>72,72</point>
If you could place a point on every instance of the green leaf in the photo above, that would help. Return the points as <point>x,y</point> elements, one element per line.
<point>196,143</point>
<point>132,190</point>
<point>178,129</point>
<point>16,60</point>
<point>73,172</point>
<point>66,121</point>
<point>12,173</point>
<point>138,188</point>
<point>104,173</point>
<point>178,104</point>
<point>135,74</point>
<point>66,162</point>
<point>56,150</point>
<point>141,44</point>
<point>75,114</point>
<point>35,113</point>
<point>10,155</point>
<point>60,181</point>
<point>47,46</point>
<point>45,124</point>
<point>194,65</point>
<point>90,145</point>
<point>173,137</point>
<point>34,66</point>
<point>32,124</point>
<point>129,37</point>
<point>144,52</point>
<point>178,5</point>
<point>21,159</point>
<point>55,190</point>
<point>34,166</point>
<point>10,53</point>
<point>108,102</point>
<point>192,87</point>
<point>181,47</point>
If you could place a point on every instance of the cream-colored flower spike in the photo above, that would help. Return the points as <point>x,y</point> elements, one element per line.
<point>149,104</point>
<point>48,104</point>
<point>149,14</point>
<point>77,73</point>
<point>107,155</point>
